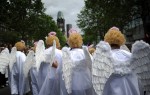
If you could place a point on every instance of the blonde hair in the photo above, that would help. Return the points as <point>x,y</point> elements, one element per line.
<point>75,40</point>
<point>91,50</point>
<point>20,46</point>
<point>114,36</point>
<point>49,41</point>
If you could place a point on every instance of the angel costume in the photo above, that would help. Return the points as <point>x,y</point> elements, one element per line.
<point>53,82</point>
<point>36,67</point>
<point>38,78</point>
<point>77,68</point>
<point>123,81</point>
<point>117,71</point>
<point>18,83</point>
<point>39,68</point>
<point>81,75</point>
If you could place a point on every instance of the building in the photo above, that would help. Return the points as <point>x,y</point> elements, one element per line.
<point>134,31</point>
<point>61,22</point>
<point>68,27</point>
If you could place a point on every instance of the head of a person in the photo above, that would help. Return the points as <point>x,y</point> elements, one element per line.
<point>20,46</point>
<point>34,47</point>
<point>75,40</point>
<point>51,37</point>
<point>91,50</point>
<point>114,37</point>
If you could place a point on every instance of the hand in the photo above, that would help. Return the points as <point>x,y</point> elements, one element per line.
<point>55,64</point>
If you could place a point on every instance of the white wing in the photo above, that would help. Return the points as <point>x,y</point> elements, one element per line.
<point>12,58</point>
<point>67,69</point>
<point>39,54</point>
<point>102,66</point>
<point>88,58</point>
<point>30,60</point>
<point>124,47</point>
<point>51,56</point>
<point>4,60</point>
<point>140,62</point>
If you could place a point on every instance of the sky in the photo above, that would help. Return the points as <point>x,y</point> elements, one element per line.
<point>70,9</point>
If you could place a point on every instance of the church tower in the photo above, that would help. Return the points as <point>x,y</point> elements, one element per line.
<point>61,22</point>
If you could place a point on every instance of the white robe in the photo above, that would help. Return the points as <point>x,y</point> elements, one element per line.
<point>123,81</point>
<point>18,83</point>
<point>53,84</point>
<point>81,76</point>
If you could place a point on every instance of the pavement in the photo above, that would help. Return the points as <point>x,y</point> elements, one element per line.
<point>5,91</point>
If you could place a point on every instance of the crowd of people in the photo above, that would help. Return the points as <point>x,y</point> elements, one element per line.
<point>75,69</point>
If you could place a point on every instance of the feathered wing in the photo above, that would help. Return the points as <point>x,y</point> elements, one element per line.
<point>140,62</point>
<point>12,58</point>
<point>39,54</point>
<point>124,47</point>
<point>67,69</point>
<point>4,61</point>
<point>102,66</point>
<point>52,54</point>
<point>88,58</point>
<point>30,60</point>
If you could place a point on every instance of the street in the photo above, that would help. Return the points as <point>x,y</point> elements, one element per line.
<point>5,91</point>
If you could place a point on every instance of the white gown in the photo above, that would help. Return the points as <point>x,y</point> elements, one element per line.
<point>18,83</point>
<point>81,76</point>
<point>53,84</point>
<point>123,81</point>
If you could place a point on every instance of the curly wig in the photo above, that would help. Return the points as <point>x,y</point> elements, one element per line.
<point>20,46</point>
<point>114,36</point>
<point>49,41</point>
<point>91,50</point>
<point>75,40</point>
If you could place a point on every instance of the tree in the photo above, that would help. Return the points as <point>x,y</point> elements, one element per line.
<point>27,19</point>
<point>100,15</point>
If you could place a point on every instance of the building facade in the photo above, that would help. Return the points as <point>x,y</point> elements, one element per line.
<point>68,26</point>
<point>61,22</point>
<point>134,31</point>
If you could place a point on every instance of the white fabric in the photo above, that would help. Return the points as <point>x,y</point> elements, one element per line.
<point>102,66</point>
<point>58,55</point>
<point>29,63</point>
<point>52,74</point>
<point>81,78</point>
<point>39,54</point>
<point>121,61</point>
<point>140,63</point>
<point>19,84</point>
<point>77,72</point>
<point>4,61</point>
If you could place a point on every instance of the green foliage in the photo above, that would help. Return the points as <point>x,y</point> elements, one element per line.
<point>28,19</point>
<point>99,15</point>
<point>9,37</point>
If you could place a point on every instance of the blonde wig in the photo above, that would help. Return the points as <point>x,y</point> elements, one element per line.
<point>20,46</point>
<point>75,40</point>
<point>91,50</point>
<point>49,41</point>
<point>114,36</point>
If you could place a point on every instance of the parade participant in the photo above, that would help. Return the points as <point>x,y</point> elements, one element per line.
<point>123,75</point>
<point>76,70</point>
<point>18,84</point>
<point>111,67</point>
<point>53,84</point>
<point>34,75</point>
<point>91,49</point>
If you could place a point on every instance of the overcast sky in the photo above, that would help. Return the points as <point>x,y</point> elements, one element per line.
<point>70,9</point>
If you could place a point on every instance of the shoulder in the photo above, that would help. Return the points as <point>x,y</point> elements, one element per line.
<point>19,53</point>
<point>121,54</point>
<point>59,52</point>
